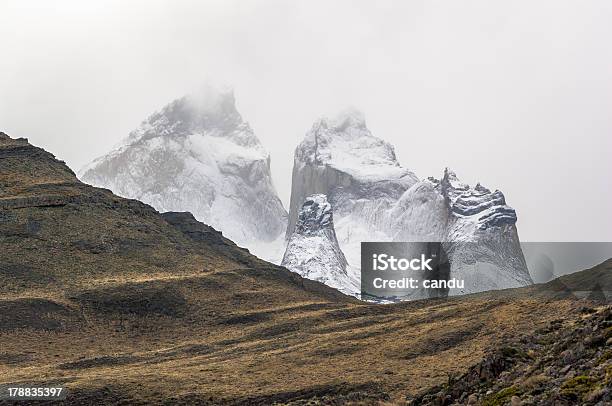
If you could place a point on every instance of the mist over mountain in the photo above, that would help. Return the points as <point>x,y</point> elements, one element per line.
<point>197,154</point>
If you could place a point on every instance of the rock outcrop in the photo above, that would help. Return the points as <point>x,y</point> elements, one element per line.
<point>313,250</point>
<point>481,238</point>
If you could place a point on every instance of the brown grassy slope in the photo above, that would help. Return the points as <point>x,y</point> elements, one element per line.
<point>120,303</point>
<point>60,236</point>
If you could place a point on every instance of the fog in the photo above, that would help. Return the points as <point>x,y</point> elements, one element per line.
<point>516,95</point>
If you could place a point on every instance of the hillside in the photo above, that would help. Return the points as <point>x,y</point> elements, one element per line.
<point>568,362</point>
<point>122,304</point>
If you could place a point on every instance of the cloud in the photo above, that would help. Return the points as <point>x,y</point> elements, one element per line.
<point>516,95</point>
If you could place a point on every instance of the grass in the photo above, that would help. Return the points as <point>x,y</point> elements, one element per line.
<point>501,397</point>
<point>577,387</point>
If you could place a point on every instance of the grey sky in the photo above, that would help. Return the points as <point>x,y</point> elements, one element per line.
<point>517,95</point>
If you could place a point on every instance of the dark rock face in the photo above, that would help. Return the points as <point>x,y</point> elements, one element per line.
<point>192,228</point>
<point>466,201</point>
<point>316,214</point>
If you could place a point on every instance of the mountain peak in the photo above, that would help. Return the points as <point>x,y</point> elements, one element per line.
<point>198,155</point>
<point>7,139</point>
<point>209,109</point>
<point>212,99</point>
<point>22,159</point>
<point>346,144</point>
<point>451,181</point>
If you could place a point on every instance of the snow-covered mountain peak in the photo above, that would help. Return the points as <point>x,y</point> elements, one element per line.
<point>197,154</point>
<point>346,144</point>
<point>316,214</point>
<point>481,188</point>
<point>342,159</point>
<point>208,111</point>
<point>375,199</point>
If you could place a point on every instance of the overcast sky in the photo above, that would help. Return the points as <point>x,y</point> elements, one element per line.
<point>515,94</point>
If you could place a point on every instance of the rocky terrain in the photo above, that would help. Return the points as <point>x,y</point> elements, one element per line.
<point>197,154</point>
<point>123,305</point>
<point>568,362</point>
